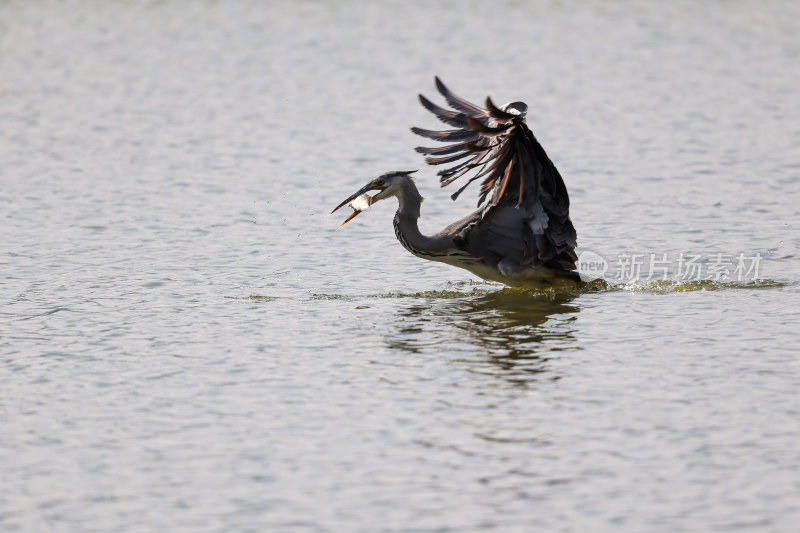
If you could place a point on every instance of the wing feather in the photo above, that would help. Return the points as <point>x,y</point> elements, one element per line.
<point>443,150</point>
<point>520,181</point>
<point>496,112</point>
<point>447,159</point>
<point>458,103</point>
<point>483,129</point>
<point>448,135</point>
<point>457,120</point>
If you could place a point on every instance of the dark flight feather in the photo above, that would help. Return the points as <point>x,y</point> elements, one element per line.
<point>458,103</point>
<point>483,129</point>
<point>451,118</point>
<point>449,135</point>
<point>496,113</point>
<point>447,159</point>
<point>443,150</point>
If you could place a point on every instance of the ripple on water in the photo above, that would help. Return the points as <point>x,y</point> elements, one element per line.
<point>188,343</point>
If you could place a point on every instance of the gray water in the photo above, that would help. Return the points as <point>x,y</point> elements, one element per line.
<point>188,342</point>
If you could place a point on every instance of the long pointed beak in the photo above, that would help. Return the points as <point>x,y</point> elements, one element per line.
<point>363,190</point>
<point>359,202</point>
<point>351,217</point>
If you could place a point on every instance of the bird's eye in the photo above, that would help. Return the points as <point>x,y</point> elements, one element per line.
<point>379,183</point>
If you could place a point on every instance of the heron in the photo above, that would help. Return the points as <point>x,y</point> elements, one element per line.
<point>521,234</point>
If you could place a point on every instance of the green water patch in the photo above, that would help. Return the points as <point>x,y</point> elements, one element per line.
<point>676,286</point>
<point>346,297</point>
<point>471,289</point>
<point>251,298</point>
<point>435,294</point>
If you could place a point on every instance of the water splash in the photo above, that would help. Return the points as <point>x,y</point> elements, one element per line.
<point>675,286</point>
<point>594,286</point>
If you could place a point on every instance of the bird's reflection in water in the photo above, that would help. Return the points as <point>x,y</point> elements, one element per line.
<point>506,333</point>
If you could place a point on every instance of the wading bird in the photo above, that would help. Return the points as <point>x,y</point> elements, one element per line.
<point>521,233</point>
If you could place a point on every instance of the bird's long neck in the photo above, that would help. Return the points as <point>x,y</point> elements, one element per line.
<point>406,227</point>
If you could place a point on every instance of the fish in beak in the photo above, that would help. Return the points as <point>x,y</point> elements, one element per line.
<point>358,202</point>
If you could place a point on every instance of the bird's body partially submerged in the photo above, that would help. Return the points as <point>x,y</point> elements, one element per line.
<point>521,234</point>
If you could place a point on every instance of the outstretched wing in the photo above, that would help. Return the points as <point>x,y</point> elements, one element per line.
<point>525,202</point>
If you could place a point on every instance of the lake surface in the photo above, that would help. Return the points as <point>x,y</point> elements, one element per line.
<point>188,342</point>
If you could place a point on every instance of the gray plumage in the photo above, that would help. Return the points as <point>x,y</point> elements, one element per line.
<point>521,233</point>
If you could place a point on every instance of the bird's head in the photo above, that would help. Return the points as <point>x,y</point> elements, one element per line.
<point>387,184</point>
